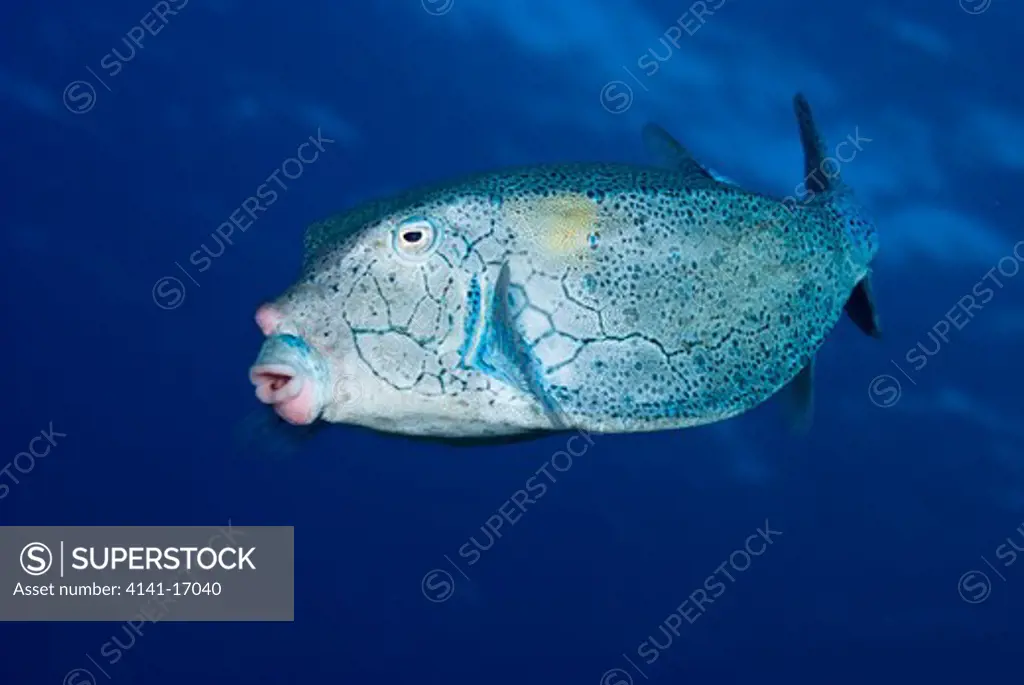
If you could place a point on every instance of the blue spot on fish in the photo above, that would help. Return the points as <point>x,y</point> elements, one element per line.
<point>472,320</point>
<point>294,341</point>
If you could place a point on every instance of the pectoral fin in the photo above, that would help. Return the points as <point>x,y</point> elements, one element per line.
<point>800,400</point>
<point>505,355</point>
<point>672,153</point>
<point>860,307</point>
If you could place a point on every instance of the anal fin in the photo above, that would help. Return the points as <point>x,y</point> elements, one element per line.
<point>800,399</point>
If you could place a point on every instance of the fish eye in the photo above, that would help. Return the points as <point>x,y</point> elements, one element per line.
<point>416,238</point>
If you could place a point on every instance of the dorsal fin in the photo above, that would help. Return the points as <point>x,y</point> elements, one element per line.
<point>826,178</point>
<point>671,152</point>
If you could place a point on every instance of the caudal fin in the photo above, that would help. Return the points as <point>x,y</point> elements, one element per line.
<point>823,178</point>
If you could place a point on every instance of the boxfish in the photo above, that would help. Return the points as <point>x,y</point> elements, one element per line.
<point>597,297</point>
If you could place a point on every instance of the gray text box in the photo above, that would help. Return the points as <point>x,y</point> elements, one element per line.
<point>124,573</point>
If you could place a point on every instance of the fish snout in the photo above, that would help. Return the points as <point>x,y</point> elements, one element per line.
<point>269,319</point>
<point>291,393</point>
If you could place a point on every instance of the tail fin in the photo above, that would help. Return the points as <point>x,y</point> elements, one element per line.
<point>824,171</point>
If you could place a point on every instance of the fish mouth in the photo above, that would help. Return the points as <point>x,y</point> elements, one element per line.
<point>286,378</point>
<point>283,388</point>
<point>276,382</point>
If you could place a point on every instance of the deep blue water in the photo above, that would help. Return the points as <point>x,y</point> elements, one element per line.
<point>911,477</point>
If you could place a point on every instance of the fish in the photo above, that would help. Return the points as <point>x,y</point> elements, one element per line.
<point>596,297</point>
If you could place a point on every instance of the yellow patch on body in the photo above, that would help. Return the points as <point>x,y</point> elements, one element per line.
<point>561,225</point>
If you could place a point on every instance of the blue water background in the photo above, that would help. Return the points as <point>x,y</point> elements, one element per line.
<point>902,487</point>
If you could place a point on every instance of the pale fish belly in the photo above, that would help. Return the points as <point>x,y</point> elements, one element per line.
<point>647,316</point>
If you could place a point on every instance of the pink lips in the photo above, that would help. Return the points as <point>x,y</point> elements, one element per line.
<point>280,385</point>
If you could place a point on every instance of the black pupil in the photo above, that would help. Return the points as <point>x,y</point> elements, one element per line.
<point>413,236</point>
